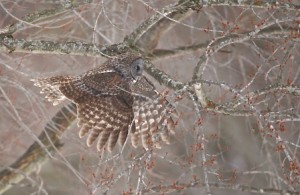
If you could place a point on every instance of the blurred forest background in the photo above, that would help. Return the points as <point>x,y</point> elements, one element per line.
<point>231,68</point>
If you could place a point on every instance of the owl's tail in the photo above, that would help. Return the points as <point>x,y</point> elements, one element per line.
<point>52,87</point>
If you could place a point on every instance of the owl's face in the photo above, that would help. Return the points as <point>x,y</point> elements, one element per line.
<point>131,67</point>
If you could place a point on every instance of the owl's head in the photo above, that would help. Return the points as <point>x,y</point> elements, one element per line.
<point>129,65</point>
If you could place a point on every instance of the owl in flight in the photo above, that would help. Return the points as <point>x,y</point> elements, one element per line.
<point>113,100</point>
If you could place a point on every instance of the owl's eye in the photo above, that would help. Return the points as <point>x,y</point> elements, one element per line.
<point>137,67</point>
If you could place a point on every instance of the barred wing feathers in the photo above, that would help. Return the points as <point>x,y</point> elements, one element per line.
<point>103,116</point>
<point>107,107</point>
<point>152,116</point>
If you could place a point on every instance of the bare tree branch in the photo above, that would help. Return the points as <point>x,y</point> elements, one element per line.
<point>37,154</point>
<point>145,38</point>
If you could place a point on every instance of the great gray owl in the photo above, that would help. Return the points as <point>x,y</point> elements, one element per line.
<point>113,99</point>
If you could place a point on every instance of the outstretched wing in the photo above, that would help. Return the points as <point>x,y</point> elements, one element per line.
<point>152,115</point>
<point>104,105</point>
<point>106,119</point>
<point>79,88</point>
<point>107,107</point>
<point>51,87</point>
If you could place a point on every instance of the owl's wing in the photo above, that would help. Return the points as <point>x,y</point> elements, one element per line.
<point>152,115</point>
<point>104,106</point>
<point>106,119</point>
<point>79,88</point>
<point>103,82</point>
<point>50,86</point>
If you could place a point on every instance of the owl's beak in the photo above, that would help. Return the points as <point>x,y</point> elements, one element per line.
<point>136,79</point>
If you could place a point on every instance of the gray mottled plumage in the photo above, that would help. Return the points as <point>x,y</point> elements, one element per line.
<point>112,100</point>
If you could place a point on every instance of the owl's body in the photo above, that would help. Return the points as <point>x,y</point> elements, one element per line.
<point>113,100</point>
